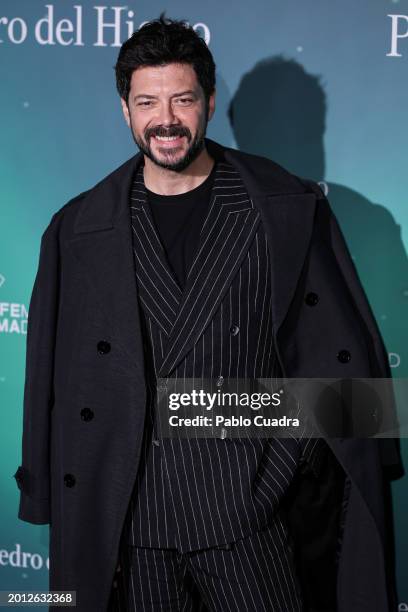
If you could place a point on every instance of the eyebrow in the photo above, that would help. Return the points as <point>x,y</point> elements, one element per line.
<point>176,95</point>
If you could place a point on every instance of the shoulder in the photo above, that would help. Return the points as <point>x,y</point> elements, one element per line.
<point>264,176</point>
<point>58,218</point>
<point>63,220</point>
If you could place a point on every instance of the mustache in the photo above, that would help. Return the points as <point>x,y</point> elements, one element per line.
<point>173,130</point>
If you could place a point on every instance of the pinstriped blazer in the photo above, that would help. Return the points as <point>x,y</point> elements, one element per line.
<point>193,494</point>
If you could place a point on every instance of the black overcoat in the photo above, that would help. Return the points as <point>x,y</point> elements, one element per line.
<point>78,477</point>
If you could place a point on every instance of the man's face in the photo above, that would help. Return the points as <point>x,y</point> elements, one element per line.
<point>167,114</point>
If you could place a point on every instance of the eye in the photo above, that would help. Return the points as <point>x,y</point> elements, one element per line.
<point>184,101</point>
<point>145,103</point>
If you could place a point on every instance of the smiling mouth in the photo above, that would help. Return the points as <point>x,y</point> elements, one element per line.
<point>168,142</point>
<point>167,138</point>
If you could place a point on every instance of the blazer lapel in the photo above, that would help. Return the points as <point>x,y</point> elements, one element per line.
<point>159,291</point>
<point>287,214</point>
<point>227,232</point>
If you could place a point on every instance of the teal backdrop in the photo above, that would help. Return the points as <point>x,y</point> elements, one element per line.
<point>320,87</point>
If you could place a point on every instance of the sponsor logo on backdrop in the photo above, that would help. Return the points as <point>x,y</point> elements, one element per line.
<point>399,31</point>
<point>13,316</point>
<point>113,25</point>
<point>394,360</point>
<point>22,559</point>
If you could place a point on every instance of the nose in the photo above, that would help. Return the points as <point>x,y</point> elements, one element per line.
<point>166,114</point>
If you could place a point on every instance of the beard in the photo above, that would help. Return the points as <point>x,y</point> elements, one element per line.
<point>196,145</point>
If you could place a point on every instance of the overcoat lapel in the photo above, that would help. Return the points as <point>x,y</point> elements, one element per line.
<point>102,244</point>
<point>288,221</point>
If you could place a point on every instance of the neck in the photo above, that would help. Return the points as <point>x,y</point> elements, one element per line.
<point>168,182</point>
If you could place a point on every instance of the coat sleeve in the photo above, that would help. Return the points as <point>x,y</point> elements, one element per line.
<point>33,475</point>
<point>389,447</point>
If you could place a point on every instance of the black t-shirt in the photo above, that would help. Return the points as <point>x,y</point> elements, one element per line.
<point>178,219</point>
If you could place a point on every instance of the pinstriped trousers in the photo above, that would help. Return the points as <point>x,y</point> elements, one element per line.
<point>254,574</point>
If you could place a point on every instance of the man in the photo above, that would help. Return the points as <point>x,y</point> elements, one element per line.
<point>195,260</point>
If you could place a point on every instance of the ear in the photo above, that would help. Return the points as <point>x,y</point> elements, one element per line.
<point>125,110</point>
<point>211,105</point>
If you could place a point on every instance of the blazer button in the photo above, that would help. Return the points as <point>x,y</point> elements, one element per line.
<point>224,547</point>
<point>234,329</point>
<point>311,299</point>
<point>87,414</point>
<point>69,480</point>
<point>344,356</point>
<point>103,347</point>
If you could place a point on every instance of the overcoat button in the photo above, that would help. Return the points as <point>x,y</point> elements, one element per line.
<point>220,380</point>
<point>344,356</point>
<point>69,480</point>
<point>87,414</point>
<point>311,299</point>
<point>234,329</point>
<point>103,347</point>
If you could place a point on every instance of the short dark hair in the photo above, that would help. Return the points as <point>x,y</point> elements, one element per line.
<point>160,42</point>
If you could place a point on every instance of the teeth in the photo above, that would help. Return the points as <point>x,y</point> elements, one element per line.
<point>167,137</point>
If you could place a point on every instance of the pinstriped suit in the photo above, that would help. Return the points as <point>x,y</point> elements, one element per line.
<point>191,494</point>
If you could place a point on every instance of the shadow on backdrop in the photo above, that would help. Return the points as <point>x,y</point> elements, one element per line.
<point>218,129</point>
<point>279,111</point>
